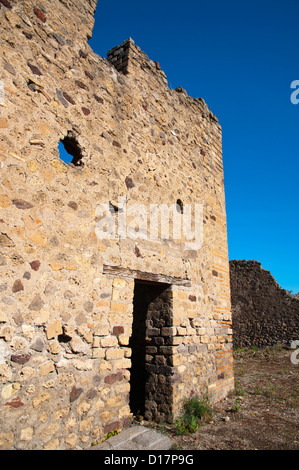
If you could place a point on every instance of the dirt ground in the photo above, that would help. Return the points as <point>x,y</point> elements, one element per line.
<point>262,413</point>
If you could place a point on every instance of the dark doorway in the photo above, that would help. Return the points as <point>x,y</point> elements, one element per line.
<point>151,393</point>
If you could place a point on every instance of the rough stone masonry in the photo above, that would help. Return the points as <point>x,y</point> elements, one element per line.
<point>84,317</point>
<point>263,314</point>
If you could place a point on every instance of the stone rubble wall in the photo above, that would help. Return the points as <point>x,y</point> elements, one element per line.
<point>65,321</point>
<point>264,314</point>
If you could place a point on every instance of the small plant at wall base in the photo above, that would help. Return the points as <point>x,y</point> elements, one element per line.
<point>110,434</point>
<point>195,411</point>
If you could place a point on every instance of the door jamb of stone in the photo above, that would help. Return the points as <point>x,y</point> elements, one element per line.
<point>136,275</point>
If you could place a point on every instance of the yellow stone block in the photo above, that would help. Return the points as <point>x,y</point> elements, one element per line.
<point>19,231</point>
<point>3,317</point>
<point>59,166</point>
<point>56,266</point>
<point>119,283</point>
<point>26,434</point>
<point>55,104</point>
<point>44,396</point>
<point>47,174</point>
<point>99,405</point>
<point>205,339</point>
<point>9,390</point>
<point>32,166</point>
<point>115,295</point>
<point>83,408</point>
<point>6,440</point>
<point>4,201</point>
<point>182,295</point>
<point>42,317</point>
<point>122,389</point>
<point>29,222</point>
<point>71,440</point>
<point>177,360</point>
<point>54,330</point>
<point>114,354</point>
<point>50,430</point>
<point>3,123</point>
<point>6,183</point>
<point>105,366</point>
<point>13,19</point>
<point>52,445</point>
<point>38,238</point>
<point>114,402</point>
<point>124,340</point>
<point>44,129</point>
<point>192,314</point>
<point>124,411</point>
<point>46,368</point>
<point>106,416</point>
<point>103,303</point>
<point>85,425</point>
<point>122,364</point>
<point>109,342</point>
<point>98,353</point>
<point>118,307</point>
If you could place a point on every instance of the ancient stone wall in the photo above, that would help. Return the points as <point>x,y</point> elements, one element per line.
<point>264,314</point>
<point>68,281</point>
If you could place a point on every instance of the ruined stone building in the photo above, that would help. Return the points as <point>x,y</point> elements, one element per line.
<point>263,314</point>
<point>103,314</point>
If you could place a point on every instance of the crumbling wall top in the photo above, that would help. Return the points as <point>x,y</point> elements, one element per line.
<point>128,58</point>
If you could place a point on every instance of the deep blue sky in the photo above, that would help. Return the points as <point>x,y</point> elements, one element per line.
<point>241,58</point>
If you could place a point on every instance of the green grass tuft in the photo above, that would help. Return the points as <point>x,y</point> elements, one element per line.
<point>195,411</point>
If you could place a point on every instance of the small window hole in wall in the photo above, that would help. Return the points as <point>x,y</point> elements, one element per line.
<point>69,150</point>
<point>151,390</point>
<point>180,206</point>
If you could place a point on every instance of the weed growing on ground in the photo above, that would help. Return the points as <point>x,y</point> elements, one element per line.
<point>195,411</point>
<point>239,390</point>
<point>236,406</point>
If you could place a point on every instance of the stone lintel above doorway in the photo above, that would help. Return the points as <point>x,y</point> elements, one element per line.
<point>144,276</point>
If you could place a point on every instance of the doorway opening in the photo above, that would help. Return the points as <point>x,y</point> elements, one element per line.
<point>151,344</point>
